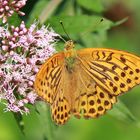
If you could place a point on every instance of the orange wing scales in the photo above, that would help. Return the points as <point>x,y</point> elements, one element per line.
<point>60,110</point>
<point>117,72</point>
<point>48,79</point>
<point>113,74</point>
<point>93,104</point>
<point>101,75</point>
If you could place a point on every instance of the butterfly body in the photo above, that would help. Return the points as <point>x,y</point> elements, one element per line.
<point>86,82</point>
<point>70,56</point>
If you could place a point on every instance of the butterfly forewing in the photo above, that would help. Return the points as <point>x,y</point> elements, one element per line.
<point>49,77</point>
<point>113,71</point>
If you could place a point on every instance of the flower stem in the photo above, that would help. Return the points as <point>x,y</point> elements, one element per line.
<point>49,125</point>
<point>19,119</point>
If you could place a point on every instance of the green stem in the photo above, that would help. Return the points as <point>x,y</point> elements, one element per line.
<point>49,125</point>
<point>19,119</point>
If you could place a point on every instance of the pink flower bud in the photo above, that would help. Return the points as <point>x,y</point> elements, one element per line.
<point>7,8</point>
<point>25,101</point>
<point>13,46</point>
<point>26,109</point>
<point>20,103</point>
<point>35,69</point>
<point>1,10</point>
<point>21,33</point>
<point>13,39</point>
<point>21,13</point>
<point>22,25</point>
<point>5,3</point>
<point>11,52</point>
<point>15,34</point>
<point>5,48</point>
<point>4,19</point>
<point>24,30</point>
<point>12,27</point>
<point>3,41</point>
<point>30,83</point>
<point>17,29</point>
<point>11,12</point>
<point>11,43</point>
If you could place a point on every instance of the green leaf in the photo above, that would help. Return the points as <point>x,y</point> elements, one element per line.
<point>122,113</point>
<point>67,8</point>
<point>87,30</point>
<point>48,126</point>
<point>14,20</point>
<point>79,24</point>
<point>49,10</point>
<point>92,40</point>
<point>19,119</point>
<point>1,22</point>
<point>36,10</point>
<point>92,5</point>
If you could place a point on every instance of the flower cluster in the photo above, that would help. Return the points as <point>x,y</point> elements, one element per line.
<point>21,51</point>
<point>8,7</point>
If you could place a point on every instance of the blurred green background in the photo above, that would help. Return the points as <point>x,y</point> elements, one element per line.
<point>81,19</point>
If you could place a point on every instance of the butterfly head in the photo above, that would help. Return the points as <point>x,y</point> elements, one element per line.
<point>69,45</point>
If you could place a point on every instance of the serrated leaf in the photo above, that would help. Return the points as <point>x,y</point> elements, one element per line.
<point>93,5</point>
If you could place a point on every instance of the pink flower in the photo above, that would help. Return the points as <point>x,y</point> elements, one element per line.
<point>20,51</point>
<point>8,7</point>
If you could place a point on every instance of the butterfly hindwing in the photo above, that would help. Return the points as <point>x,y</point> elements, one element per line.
<point>60,108</point>
<point>91,101</point>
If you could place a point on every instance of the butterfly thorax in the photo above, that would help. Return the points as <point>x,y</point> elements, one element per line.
<point>70,55</point>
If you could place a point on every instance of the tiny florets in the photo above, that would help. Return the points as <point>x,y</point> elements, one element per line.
<point>21,49</point>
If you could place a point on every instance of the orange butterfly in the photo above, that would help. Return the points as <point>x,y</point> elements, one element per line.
<point>85,82</point>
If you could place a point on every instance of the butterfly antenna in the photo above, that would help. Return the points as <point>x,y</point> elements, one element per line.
<point>64,30</point>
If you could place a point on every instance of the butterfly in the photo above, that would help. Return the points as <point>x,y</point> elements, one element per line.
<point>85,83</point>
